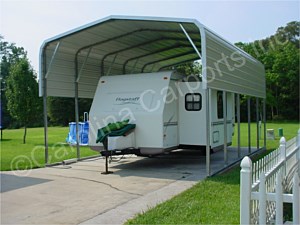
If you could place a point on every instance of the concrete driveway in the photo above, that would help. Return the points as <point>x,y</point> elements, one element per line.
<point>79,194</point>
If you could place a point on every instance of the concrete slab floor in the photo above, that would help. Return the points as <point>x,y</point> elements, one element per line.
<point>79,194</point>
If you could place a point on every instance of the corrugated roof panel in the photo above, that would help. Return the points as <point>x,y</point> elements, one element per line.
<point>59,88</point>
<point>224,64</point>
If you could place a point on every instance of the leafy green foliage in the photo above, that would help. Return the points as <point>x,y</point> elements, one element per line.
<point>9,54</point>
<point>56,104</point>
<point>280,55</point>
<point>190,68</point>
<point>23,102</point>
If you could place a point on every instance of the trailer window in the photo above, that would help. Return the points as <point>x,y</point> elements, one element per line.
<point>193,102</point>
<point>220,104</point>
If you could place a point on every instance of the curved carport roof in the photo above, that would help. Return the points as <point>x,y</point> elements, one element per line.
<point>72,63</point>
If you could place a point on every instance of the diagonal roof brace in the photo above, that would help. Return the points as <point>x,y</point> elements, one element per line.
<point>111,64</point>
<point>190,40</point>
<point>136,61</point>
<point>83,65</point>
<point>52,59</point>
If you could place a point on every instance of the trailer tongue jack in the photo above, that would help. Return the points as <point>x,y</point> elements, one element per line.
<point>106,167</point>
<point>108,153</point>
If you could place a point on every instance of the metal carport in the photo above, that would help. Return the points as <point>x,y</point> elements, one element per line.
<point>72,63</point>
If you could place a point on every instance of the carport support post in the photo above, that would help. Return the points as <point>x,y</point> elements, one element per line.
<point>265,126</point>
<point>77,121</point>
<point>238,115</point>
<point>45,106</point>
<point>207,134</point>
<point>207,107</point>
<point>225,126</point>
<point>45,120</point>
<point>77,110</point>
<point>257,123</point>
<point>249,125</point>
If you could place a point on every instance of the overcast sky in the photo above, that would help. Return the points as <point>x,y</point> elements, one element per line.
<point>29,22</point>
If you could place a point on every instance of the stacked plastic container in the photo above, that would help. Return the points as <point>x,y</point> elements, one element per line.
<point>83,128</point>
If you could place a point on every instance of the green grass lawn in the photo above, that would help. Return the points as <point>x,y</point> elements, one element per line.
<point>16,155</point>
<point>290,130</point>
<point>212,201</point>
<point>216,200</point>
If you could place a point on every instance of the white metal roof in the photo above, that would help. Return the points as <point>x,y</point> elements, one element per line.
<point>126,44</point>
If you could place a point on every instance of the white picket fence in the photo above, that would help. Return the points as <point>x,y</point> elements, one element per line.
<point>270,182</point>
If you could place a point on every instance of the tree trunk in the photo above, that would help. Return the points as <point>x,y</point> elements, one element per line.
<point>24,137</point>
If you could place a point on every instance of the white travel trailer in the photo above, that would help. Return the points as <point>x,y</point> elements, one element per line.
<point>167,108</point>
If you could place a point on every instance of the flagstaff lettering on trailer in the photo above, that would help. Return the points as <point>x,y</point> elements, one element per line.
<point>127,100</point>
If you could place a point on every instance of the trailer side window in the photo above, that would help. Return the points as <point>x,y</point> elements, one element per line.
<point>193,102</point>
<point>220,104</point>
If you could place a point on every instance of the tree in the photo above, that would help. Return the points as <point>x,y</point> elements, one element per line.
<point>280,55</point>
<point>23,102</point>
<point>286,65</point>
<point>55,104</point>
<point>9,54</point>
<point>192,68</point>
